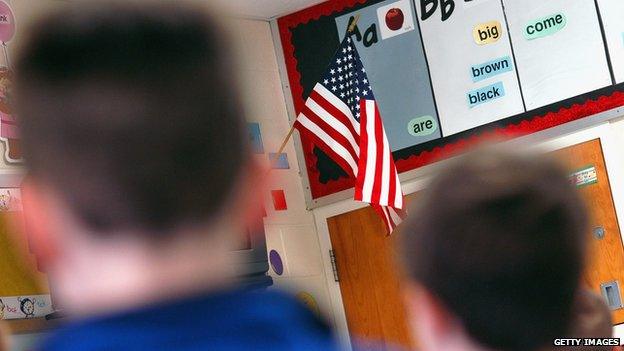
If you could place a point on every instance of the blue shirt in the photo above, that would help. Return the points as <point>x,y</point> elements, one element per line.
<point>235,320</point>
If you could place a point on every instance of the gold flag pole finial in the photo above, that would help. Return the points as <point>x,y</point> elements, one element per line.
<point>354,23</point>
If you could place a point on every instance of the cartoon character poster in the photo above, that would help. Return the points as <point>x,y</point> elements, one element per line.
<point>24,290</point>
<point>8,129</point>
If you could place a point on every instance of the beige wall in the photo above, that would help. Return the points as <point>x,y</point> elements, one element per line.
<point>292,233</point>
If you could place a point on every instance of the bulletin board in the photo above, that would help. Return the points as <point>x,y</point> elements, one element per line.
<point>473,68</point>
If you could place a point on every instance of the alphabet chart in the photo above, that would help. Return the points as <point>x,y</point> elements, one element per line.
<point>445,70</point>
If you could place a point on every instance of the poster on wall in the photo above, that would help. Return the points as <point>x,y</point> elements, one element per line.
<point>448,73</point>
<point>24,290</point>
<point>8,129</point>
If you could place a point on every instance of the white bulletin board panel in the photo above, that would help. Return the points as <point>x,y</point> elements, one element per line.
<point>453,52</point>
<point>612,14</point>
<point>569,58</point>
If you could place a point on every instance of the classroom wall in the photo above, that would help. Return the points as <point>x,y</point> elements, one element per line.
<point>290,232</point>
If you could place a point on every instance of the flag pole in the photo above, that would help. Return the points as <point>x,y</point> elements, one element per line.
<point>292,128</point>
<point>354,23</point>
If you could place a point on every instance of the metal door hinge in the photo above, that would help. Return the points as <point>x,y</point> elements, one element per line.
<point>332,258</point>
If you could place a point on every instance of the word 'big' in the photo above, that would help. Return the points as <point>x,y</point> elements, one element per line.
<point>486,33</point>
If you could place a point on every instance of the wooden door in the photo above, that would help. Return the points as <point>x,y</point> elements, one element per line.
<point>606,254</point>
<point>369,279</point>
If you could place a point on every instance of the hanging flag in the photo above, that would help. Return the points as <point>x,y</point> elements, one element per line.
<point>377,181</point>
<point>342,118</point>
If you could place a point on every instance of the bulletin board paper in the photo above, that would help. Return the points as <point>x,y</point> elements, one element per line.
<point>566,63</point>
<point>397,68</point>
<point>612,14</point>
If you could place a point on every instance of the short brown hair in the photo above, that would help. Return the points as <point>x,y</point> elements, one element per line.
<point>499,239</point>
<point>591,318</point>
<point>130,111</point>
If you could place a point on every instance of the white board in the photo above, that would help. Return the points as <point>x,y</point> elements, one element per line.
<point>612,13</point>
<point>452,52</point>
<point>565,63</point>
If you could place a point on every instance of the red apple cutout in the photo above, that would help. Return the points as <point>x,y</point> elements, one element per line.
<point>394,19</point>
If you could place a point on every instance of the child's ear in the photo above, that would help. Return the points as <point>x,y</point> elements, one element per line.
<point>37,224</point>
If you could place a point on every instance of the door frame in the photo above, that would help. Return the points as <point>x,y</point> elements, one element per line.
<point>599,126</point>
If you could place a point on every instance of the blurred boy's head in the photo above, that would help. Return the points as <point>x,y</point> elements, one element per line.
<point>494,251</point>
<point>133,136</point>
<point>591,318</point>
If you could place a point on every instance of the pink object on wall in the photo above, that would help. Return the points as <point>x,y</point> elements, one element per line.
<point>7,22</point>
<point>8,129</point>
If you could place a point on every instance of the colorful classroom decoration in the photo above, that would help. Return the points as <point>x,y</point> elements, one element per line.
<point>255,137</point>
<point>279,200</point>
<point>280,162</point>
<point>447,73</point>
<point>276,262</point>
<point>24,291</point>
<point>8,128</point>
<point>7,22</point>
<point>9,133</point>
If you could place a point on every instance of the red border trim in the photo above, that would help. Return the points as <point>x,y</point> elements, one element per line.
<point>535,124</point>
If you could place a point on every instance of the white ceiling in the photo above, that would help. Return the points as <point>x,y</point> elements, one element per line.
<point>268,9</point>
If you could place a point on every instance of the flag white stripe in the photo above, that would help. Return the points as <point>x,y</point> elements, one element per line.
<point>333,144</point>
<point>395,216</point>
<point>334,123</point>
<point>341,106</point>
<point>398,196</point>
<point>371,159</point>
<point>388,222</point>
<point>385,169</point>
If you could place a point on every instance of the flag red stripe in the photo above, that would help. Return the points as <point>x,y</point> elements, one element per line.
<point>334,111</point>
<point>362,164</point>
<point>335,135</point>
<point>321,144</point>
<point>380,155</point>
<point>385,217</point>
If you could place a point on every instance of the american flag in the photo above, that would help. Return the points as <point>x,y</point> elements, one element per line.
<point>331,118</point>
